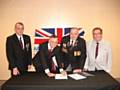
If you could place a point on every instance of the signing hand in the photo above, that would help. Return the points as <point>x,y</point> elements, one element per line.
<point>77,71</point>
<point>51,74</point>
<point>64,73</point>
<point>29,67</point>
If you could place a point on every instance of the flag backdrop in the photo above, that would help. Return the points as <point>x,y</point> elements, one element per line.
<point>42,35</point>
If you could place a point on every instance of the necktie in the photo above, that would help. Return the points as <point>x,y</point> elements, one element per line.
<point>21,44</point>
<point>53,67</point>
<point>96,52</point>
<point>72,43</point>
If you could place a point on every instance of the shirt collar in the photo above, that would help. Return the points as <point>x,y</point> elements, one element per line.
<point>49,47</point>
<point>97,42</point>
<point>19,36</point>
<point>72,40</point>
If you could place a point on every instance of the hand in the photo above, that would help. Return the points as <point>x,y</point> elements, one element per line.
<point>85,69</point>
<point>29,67</point>
<point>51,74</point>
<point>64,73</point>
<point>77,71</point>
<point>15,71</point>
<point>62,65</point>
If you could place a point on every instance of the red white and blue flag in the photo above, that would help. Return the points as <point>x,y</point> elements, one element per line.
<point>42,35</point>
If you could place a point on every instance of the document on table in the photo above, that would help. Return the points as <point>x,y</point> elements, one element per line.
<point>76,76</point>
<point>86,74</point>
<point>60,76</point>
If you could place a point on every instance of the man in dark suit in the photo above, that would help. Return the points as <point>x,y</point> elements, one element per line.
<point>73,51</point>
<point>18,50</point>
<point>50,57</point>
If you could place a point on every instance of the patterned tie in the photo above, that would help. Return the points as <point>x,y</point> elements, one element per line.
<point>96,52</point>
<point>53,67</point>
<point>21,44</point>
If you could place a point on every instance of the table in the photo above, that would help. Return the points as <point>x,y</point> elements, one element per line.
<point>39,81</point>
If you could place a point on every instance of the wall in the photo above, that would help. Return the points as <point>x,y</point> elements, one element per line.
<point>61,13</point>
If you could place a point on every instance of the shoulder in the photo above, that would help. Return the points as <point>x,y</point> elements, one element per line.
<point>44,44</point>
<point>26,36</point>
<point>66,37</point>
<point>89,42</point>
<point>57,49</point>
<point>106,44</point>
<point>11,37</point>
<point>81,39</point>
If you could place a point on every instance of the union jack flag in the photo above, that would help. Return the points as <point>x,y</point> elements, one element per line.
<point>42,35</point>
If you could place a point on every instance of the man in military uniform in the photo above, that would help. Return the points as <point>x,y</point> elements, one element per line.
<point>73,51</point>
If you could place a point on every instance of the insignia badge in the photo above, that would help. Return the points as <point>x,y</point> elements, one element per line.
<point>27,46</point>
<point>77,53</point>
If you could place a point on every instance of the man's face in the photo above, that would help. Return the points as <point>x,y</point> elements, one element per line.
<point>97,35</point>
<point>74,34</point>
<point>19,29</point>
<point>53,42</point>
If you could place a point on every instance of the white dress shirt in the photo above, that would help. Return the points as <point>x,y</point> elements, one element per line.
<point>22,39</point>
<point>72,42</point>
<point>104,59</point>
<point>54,61</point>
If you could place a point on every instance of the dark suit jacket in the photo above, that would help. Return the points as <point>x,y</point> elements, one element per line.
<point>37,62</point>
<point>17,57</point>
<point>42,59</point>
<point>69,57</point>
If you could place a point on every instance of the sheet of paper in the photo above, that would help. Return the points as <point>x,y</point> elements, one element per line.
<point>86,74</point>
<point>76,76</point>
<point>60,76</point>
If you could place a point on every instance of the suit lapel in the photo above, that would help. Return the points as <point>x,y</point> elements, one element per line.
<point>46,47</point>
<point>25,41</point>
<point>91,48</point>
<point>67,41</point>
<point>17,41</point>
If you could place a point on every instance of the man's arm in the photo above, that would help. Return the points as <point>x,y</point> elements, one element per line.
<point>43,58</point>
<point>10,53</point>
<point>58,55</point>
<point>109,59</point>
<point>83,54</point>
<point>87,58</point>
<point>44,63</point>
<point>30,52</point>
